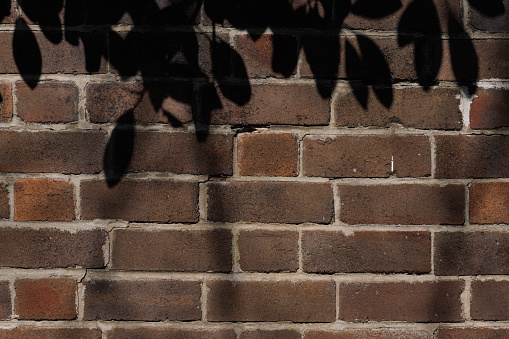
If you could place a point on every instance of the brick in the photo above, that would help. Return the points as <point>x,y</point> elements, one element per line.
<point>5,300</point>
<point>163,333</point>
<point>144,200</point>
<point>488,203</point>
<point>49,102</point>
<point>60,152</point>
<point>268,104</point>
<point>273,202</point>
<point>143,300</point>
<point>412,204</point>
<point>151,102</point>
<point>51,248</point>
<point>271,334</point>
<point>6,102</point>
<point>5,210</point>
<point>32,332</point>
<point>366,252</point>
<point>489,109</point>
<point>492,18</point>
<point>268,154</point>
<point>401,301</point>
<point>366,156</point>
<point>471,253</point>
<point>490,300</point>
<point>198,250</point>
<point>45,299</point>
<point>472,156</point>
<point>437,108</point>
<point>304,301</point>
<point>268,251</point>
<point>8,12</point>
<point>43,200</point>
<point>375,333</point>
<point>472,333</point>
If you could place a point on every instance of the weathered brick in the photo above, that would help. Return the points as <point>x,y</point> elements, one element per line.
<point>401,301</point>
<point>366,156</point>
<point>198,250</point>
<point>143,200</point>
<point>45,299</point>
<point>375,333</point>
<point>472,333</point>
<point>144,300</point>
<point>60,152</point>
<point>5,300</point>
<point>489,203</point>
<point>490,300</point>
<point>43,200</point>
<point>51,248</point>
<point>48,102</point>
<point>5,210</point>
<point>303,301</point>
<point>270,334</point>
<point>9,14</point>
<point>274,202</point>
<point>6,102</point>
<point>438,108</point>
<point>268,154</point>
<point>163,333</point>
<point>402,204</point>
<point>472,156</point>
<point>490,109</point>
<point>268,251</point>
<point>374,252</point>
<point>492,18</point>
<point>32,332</point>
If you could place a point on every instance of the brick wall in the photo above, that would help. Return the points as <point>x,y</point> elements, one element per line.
<point>254,169</point>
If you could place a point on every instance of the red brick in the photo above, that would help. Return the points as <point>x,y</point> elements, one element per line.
<point>271,334</point>
<point>6,102</point>
<point>438,108</point>
<point>268,251</point>
<point>370,252</point>
<point>401,301</point>
<point>143,200</point>
<point>366,156</point>
<point>273,202</point>
<point>490,300</point>
<point>303,301</point>
<point>150,102</point>
<point>5,210</point>
<point>60,152</point>
<point>472,333</point>
<point>270,104</point>
<point>494,19</point>
<point>43,200</point>
<point>375,333</point>
<point>198,250</point>
<point>32,332</point>
<point>490,109</point>
<point>49,102</point>
<point>471,253</point>
<point>51,248</point>
<point>45,299</point>
<point>144,300</point>
<point>164,333</point>
<point>489,203</point>
<point>268,154</point>
<point>472,156</point>
<point>402,204</point>
<point>5,300</point>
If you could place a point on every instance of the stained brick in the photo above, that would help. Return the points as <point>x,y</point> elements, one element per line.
<point>491,18</point>
<point>490,300</point>
<point>376,333</point>
<point>489,203</point>
<point>489,109</point>
<point>271,334</point>
<point>472,333</point>
<point>5,209</point>
<point>5,300</point>
<point>32,332</point>
<point>6,102</point>
<point>163,333</point>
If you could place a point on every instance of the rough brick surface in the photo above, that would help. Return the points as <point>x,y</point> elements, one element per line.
<point>6,102</point>
<point>276,202</point>
<point>306,301</point>
<point>489,203</point>
<point>5,210</point>
<point>156,300</point>
<point>374,252</point>
<point>271,334</point>
<point>366,156</point>
<point>51,248</point>
<point>377,333</point>
<point>490,300</point>
<point>190,251</point>
<point>5,300</point>
<point>489,109</point>
<point>401,301</point>
<point>158,333</point>
<point>472,333</point>
<point>32,332</point>
<point>402,204</point>
<point>43,200</point>
<point>45,299</point>
<point>492,18</point>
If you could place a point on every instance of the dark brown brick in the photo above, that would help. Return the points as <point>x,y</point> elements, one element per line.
<point>45,299</point>
<point>6,102</point>
<point>268,251</point>
<point>375,333</point>
<point>490,109</point>
<point>51,248</point>
<point>61,152</point>
<point>5,300</point>
<point>402,204</point>
<point>5,210</point>
<point>268,154</point>
<point>366,156</point>
<point>268,104</point>
<point>490,300</point>
<point>48,102</point>
<point>32,332</point>
<point>143,300</point>
<point>489,203</point>
<point>472,333</point>
<point>276,202</point>
<point>472,156</point>
<point>270,334</point>
<point>374,252</point>
<point>144,200</point>
<point>194,250</point>
<point>43,199</point>
<point>437,108</point>
<point>492,18</point>
<point>401,301</point>
<point>303,301</point>
<point>9,17</point>
<point>163,333</point>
